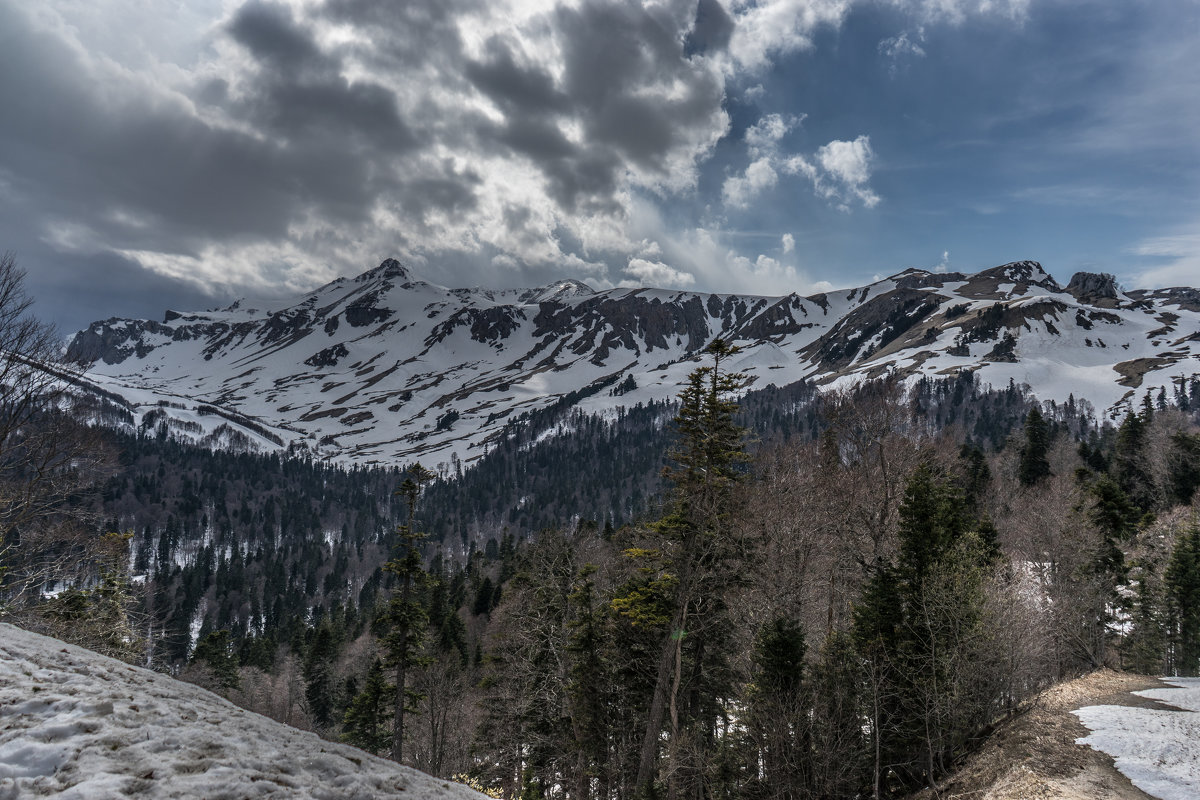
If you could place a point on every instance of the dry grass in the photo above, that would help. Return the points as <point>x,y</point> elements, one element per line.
<point>1035,755</point>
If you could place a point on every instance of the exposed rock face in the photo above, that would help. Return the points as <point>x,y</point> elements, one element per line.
<point>1182,296</point>
<point>386,368</point>
<point>1090,287</point>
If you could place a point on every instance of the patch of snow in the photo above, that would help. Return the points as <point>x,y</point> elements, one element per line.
<point>1156,749</point>
<point>79,726</point>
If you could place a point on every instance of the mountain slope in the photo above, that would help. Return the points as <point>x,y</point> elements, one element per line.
<point>79,725</point>
<point>387,368</point>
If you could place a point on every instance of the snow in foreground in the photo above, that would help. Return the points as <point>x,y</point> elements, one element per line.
<point>1158,750</point>
<point>74,724</point>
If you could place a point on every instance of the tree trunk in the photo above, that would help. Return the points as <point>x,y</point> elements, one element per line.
<point>398,708</point>
<point>647,764</point>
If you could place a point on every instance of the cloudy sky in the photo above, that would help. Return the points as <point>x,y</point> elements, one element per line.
<point>182,153</point>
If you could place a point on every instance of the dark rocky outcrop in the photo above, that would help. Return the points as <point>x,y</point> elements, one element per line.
<point>329,357</point>
<point>1093,287</point>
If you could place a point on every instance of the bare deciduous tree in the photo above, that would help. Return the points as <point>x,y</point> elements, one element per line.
<point>46,459</point>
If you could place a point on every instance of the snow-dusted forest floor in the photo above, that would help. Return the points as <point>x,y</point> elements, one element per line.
<point>74,724</point>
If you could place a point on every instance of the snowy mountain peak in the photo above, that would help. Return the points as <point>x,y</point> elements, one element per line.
<point>389,270</point>
<point>1022,274</point>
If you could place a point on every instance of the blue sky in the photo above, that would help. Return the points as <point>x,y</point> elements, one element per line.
<point>262,148</point>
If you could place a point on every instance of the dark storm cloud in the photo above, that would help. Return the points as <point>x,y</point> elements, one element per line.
<point>712,31</point>
<point>85,288</point>
<point>82,155</point>
<point>270,32</point>
<point>611,53</point>
<point>514,87</point>
<point>176,177</point>
<point>300,94</point>
<point>452,193</point>
<point>408,35</point>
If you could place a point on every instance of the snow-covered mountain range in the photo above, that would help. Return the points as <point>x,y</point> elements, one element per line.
<point>387,368</point>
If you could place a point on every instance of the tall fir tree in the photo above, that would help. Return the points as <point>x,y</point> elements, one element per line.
<point>1034,465</point>
<point>318,676</point>
<point>367,723</point>
<point>1130,463</point>
<point>215,651</point>
<point>1144,647</point>
<point>407,617</point>
<point>1183,467</point>
<point>779,716</point>
<point>1182,585</point>
<point>694,562</point>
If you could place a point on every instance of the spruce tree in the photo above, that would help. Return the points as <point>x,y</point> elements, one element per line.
<point>406,616</point>
<point>1145,646</point>
<point>1183,467</point>
<point>1034,466</point>
<point>1182,585</point>
<point>917,627</point>
<point>1130,465</point>
<point>589,685</point>
<point>318,677</point>
<point>976,476</point>
<point>693,563</point>
<point>216,652</point>
<point>778,706</point>
<point>366,723</point>
<point>1115,517</point>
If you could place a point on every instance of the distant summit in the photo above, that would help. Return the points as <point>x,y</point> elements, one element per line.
<point>390,269</point>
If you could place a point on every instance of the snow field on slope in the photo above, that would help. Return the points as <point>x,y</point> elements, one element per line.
<point>1158,750</point>
<point>75,725</point>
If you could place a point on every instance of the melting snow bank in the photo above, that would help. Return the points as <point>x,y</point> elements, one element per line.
<point>74,724</point>
<point>1156,749</point>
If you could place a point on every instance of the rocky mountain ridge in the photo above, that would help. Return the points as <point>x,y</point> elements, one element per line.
<point>387,368</point>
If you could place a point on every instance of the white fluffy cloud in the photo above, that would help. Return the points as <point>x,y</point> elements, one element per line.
<point>955,11</point>
<point>718,261</point>
<point>788,243</point>
<point>763,137</point>
<point>658,274</point>
<point>739,190</point>
<point>840,172</point>
<point>767,28</point>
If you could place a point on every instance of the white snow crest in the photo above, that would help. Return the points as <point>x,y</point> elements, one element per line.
<point>1156,749</point>
<point>78,726</point>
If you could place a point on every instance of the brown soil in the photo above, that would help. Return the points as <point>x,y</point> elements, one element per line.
<point>1034,755</point>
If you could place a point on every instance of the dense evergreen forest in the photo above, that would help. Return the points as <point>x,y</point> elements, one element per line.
<point>776,593</point>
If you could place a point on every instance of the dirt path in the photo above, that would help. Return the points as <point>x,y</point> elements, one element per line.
<point>1035,755</point>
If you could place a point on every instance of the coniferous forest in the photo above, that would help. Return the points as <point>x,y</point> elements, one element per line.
<point>773,593</point>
